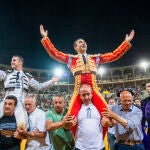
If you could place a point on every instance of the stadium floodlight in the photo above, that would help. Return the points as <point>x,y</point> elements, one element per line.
<point>59,72</point>
<point>144,64</point>
<point>101,71</point>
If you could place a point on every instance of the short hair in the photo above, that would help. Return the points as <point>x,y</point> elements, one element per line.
<point>32,97</point>
<point>137,98</point>
<point>74,43</point>
<point>147,83</point>
<point>58,95</point>
<point>12,97</point>
<point>20,58</point>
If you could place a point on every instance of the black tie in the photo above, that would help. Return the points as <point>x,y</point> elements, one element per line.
<point>29,123</point>
<point>84,59</point>
<point>17,76</point>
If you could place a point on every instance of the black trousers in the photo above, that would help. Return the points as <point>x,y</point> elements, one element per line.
<point>16,147</point>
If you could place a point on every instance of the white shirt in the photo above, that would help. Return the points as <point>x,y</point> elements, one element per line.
<point>37,121</point>
<point>89,131</point>
<point>111,129</point>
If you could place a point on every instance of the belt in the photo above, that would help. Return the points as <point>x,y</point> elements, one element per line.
<point>7,133</point>
<point>130,142</point>
<point>13,88</point>
<point>84,72</point>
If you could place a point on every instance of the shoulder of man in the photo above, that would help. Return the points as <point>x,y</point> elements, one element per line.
<point>136,107</point>
<point>145,100</point>
<point>50,111</point>
<point>94,55</point>
<point>73,56</point>
<point>28,74</point>
<point>40,112</point>
<point>9,71</point>
<point>65,111</point>
<point>116,108</point>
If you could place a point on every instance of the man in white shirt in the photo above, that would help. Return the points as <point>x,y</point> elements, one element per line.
<point>111,130</point>
<point>89,129</point>
<point>37,136</point>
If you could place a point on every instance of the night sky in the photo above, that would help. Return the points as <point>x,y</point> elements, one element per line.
<point>103,24</point>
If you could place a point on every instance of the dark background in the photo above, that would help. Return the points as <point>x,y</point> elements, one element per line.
<point>103,24</point>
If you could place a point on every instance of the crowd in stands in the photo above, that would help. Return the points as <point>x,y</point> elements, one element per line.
<point>44,101</point>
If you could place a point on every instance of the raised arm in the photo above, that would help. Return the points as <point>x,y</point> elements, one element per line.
<point>44,33</point>
<point>40,86</point>
<point>129,37</point>
<point>50,48</point>
<point>120,51</point>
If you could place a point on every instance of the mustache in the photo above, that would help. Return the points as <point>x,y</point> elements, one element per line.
<point>6,108</point>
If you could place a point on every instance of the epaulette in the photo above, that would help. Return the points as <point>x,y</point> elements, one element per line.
<point>28,74</point>
<point>9,71</point>
<point>94,55</point>
<point>73,56</point>
<point>91,55</point>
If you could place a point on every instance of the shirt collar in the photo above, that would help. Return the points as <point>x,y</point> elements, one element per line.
<point>89,105</point>
<point>131,108</point>
<point>18,71</point>
<point>85,54</point>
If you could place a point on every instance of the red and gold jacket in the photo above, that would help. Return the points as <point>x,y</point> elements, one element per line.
<point>85,73</point>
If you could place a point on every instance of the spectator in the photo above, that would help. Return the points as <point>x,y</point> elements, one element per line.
<point>36,136</point>
<point>111,130</point>
<point>10,133</point>
<point>145,106</point>
<point>137,102</point>
<point>127,117</point>
<point>56,123</point>
<point>89,129</point>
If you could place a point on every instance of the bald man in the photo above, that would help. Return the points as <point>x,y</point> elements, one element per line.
<point>127,119</point>
<point>89,119</point>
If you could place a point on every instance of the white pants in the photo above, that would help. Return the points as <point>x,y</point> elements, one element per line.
<point>35,145</point>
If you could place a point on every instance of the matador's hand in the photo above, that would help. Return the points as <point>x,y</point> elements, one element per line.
<point>130,36</point>
<point>43,32</point>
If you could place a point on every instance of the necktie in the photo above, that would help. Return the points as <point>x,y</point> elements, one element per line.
<point>17,76</point>
<point>84,59</point>
<point>88,112</point>
<point>29,123</point>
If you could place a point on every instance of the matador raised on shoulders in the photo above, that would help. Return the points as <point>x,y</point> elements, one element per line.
<point>84,67</point>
